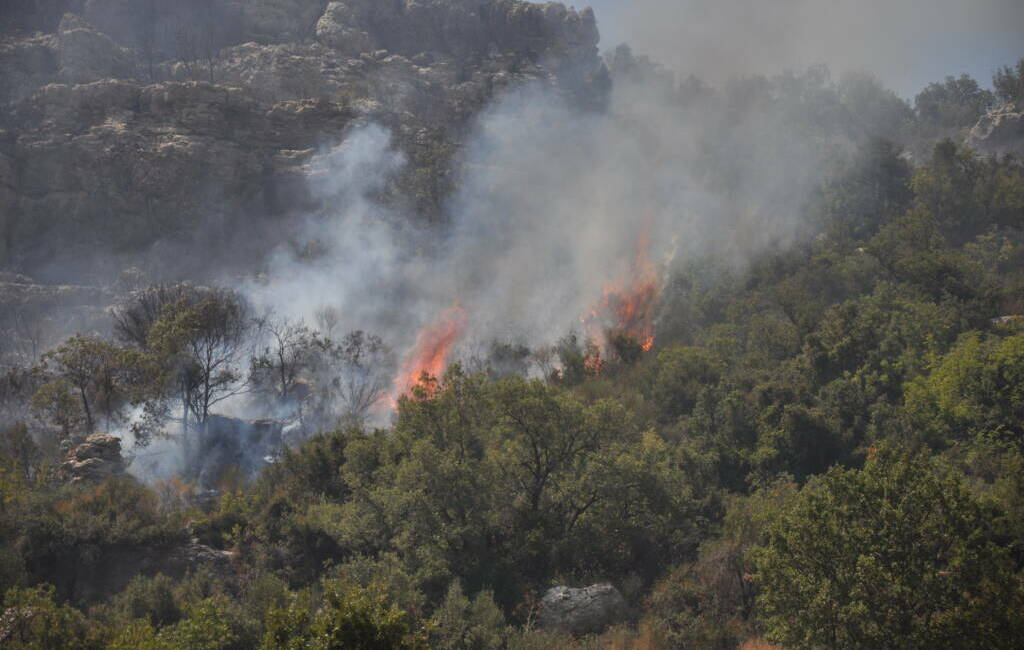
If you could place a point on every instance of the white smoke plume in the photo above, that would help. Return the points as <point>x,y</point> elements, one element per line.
<point>553,200</point>
<point>552,205</point>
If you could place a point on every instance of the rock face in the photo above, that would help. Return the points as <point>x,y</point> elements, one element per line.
<point>130,125</point>
<point>582,611</point>
<point>95,459</point>
<point>85,54</point>
<point>1000,131</point>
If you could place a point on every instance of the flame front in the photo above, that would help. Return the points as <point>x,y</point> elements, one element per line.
<point>433,346</point>
<point>627,306</point>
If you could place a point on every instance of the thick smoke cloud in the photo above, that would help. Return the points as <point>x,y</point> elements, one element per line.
<point>907,42</point>
<point>551,208</point>
<point>553,201</point>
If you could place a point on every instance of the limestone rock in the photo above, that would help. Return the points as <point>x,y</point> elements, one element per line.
<point>26,64</point>
<point>338,28</point>
<point>86,54</point>
<point>582,611</point>
<point>279,21</point>
<point>96,458</point>
<point>120,148</point>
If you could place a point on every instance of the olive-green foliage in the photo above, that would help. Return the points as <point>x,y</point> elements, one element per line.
<point>681,375</point>
<point>152,599</point>
<point>199,342</point>
<point>461,623</point>
<point>71,533</point>
<point>346,618</point>
<point>1008,82</point>
<point>708,603</point>
<point>31,620</point>
<point>497,483</point>
<point>205,627</point>
<point>955,102</point>
<point>896,555</point>
<point>976,390</point>
<point>103,377</point>
<point>892,322</point>
<point>19,455</point>
<point>865,192</point>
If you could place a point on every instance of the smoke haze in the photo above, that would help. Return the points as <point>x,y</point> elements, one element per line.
<point>551,208</point>
<point>556,197</point>
<point>908,43</point>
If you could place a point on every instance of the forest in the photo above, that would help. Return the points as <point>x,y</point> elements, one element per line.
<point>814,442</point>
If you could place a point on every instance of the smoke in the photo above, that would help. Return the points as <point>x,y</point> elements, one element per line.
<point>553,200</point>
<point>552,204</point>
<point>358,255</point>
<point>907,42</point>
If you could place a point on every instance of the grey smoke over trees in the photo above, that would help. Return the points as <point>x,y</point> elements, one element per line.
<point>552,200</point>
<point>549,198</point>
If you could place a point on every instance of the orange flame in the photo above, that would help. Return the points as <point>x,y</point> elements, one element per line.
<point>430,354</point>
<point>627,305</point>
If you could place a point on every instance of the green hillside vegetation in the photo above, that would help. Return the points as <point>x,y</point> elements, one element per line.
<point>824,449</point>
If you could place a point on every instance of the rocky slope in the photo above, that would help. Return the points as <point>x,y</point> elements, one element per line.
<point>134,126</point>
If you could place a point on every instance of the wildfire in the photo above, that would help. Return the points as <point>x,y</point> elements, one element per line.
<point>627,305</point>
<point>433,347</point>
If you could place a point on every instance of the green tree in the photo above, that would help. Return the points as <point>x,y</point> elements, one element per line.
<point>348,618</point>
<point>709,603</point>
<point>205,627</point>
<point>31,620</point>
<point>56,402</point>
<point>101,375</point>
<point>867,191</point>
<point>19,450</point>
<point>682,373</point>
<point>201,344</point>
<point>956,102</point>
<point>1009,83</point>
<point>977,390</point>
<point>461,623</point>
<point>896,555</point>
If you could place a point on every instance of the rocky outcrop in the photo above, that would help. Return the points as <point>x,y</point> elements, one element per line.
<point>340,28</point>
<point>459,28</point>
<point>26,64</point>
<point>170,131</point>
<point>85,54</point>
<point>279,21</point>
<point>582,611</point>
<point>96,458</point>
<point>999,131</point>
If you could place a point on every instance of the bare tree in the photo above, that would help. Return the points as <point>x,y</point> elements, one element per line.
<point>327,319</point>
<point>361,369</point>
<point>289,353</point>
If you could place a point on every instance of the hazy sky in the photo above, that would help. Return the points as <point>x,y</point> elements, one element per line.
<point>907,43</point>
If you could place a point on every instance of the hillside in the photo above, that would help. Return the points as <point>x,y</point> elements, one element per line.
<point>386,324</point>
<point>130,124</point>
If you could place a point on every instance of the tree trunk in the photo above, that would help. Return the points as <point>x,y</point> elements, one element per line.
<point>89,427</point>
